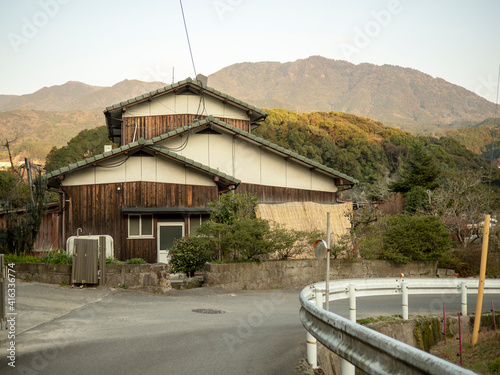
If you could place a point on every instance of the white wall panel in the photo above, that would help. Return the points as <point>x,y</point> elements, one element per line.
<point>273,169</point>
<point>247,162</point>
<point>170,104</point>
<point>298,176</point>
<point>323,183</point>
<point>85,176</point>
<point>148,165</point>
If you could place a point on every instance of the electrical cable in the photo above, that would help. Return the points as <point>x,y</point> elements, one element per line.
<point>187,35</point>
<point>493,144</point>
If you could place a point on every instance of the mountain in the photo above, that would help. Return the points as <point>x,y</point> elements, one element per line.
<point>33,133</point>
<point>396,96</point>
<point>78,96</point>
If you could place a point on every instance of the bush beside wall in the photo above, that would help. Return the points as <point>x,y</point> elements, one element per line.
<point>145,277</point>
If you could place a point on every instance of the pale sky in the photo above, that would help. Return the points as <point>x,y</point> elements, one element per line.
<point>102,42</point>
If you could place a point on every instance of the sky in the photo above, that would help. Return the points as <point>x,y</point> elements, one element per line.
<point>102,42</point>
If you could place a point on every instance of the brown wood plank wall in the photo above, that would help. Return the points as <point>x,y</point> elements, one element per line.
<point>152,126</point>
<point>275,194</point>
<point>97,209</point>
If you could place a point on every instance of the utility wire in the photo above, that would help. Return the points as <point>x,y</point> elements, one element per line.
<point>493,142</point>
<point>187,35</point>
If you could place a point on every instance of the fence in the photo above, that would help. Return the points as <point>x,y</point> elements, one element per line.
<point>369,350</point>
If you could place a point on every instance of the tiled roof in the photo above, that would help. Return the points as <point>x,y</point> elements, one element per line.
<point>141,143</point>
<point>182,83</point>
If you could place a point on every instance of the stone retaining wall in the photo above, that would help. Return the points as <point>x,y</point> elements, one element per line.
<point>302,272</point>
<point>145,277</point>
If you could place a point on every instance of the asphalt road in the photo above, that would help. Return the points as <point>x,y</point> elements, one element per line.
<point>60,330</point>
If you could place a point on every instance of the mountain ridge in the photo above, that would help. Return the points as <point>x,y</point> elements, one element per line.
<point>399,97</point>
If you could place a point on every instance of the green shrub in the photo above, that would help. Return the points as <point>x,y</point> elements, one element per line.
<point>494,366</point>
<point>57,257</point>
<point>286,243</point>
<point>189,254</point>
<point>136,261</point>
<point>112,260</point>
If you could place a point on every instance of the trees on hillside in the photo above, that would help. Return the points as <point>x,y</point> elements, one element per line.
<point>86,144</point>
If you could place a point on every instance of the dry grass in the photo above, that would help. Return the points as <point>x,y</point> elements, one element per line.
<point>478,358</point>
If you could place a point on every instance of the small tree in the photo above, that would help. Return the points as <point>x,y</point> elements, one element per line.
<point>188,254</point>
<point>287,243</point>
<point>234,228</point>
<point>420,169</point>
<point>21,231</point>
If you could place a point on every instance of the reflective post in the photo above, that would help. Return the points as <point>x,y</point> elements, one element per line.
<point>404,304</point>
<point>346,368</point>
<point>328,251</point>
<point>312,348</point>
<point>463,292</point>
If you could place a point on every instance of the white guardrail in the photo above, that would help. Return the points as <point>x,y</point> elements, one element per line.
<point>368,350</point>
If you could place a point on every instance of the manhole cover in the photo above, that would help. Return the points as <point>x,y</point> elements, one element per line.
<point>208,311</point>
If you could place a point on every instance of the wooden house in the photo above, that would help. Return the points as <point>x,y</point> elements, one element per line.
<point>179,148</point>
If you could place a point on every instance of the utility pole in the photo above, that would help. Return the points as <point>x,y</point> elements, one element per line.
<point>30,181</point>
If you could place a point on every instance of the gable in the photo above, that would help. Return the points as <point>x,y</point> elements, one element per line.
<point>139,161</point>
<point>124,168</point>
<point>182,98</point>
<point>186,103</point>
<point>250,162</point>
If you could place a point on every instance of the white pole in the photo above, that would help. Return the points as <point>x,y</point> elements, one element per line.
<point>352,302</point>
<point>328,250</point>
<point>404,289</point>
<point>312,349</point>
<point>347,368</point>
<point>463,289</point>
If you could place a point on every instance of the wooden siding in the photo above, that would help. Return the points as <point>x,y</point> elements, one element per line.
<point>97,209</point>
<point>152,126</point>
<point>274,194</point>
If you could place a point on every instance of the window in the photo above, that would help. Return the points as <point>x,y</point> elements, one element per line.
<point>140,225</point>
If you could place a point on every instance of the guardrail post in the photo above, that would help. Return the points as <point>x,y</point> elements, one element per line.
<point>346,368</point>
<point>312,348</point>
<point>404,304</point>
<point>463,289</point>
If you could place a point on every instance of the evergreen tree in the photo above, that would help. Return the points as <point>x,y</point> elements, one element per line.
<point>420,169</point>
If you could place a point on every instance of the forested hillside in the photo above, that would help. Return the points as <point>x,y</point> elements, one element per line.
<point>358,146</point>
<point>482,138</point>
<point>33,133</point>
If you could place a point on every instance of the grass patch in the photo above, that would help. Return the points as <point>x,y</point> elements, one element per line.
<point>56,256</point>
<point>136,261</point>
<point>483,358</point>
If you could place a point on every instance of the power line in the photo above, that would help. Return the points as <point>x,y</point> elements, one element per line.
<point>187,35</point>
<point>493,142</point>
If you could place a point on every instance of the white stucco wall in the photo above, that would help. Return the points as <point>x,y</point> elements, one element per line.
<point>138,168</point>
<point>171,103</point>
<point>250,163</point>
